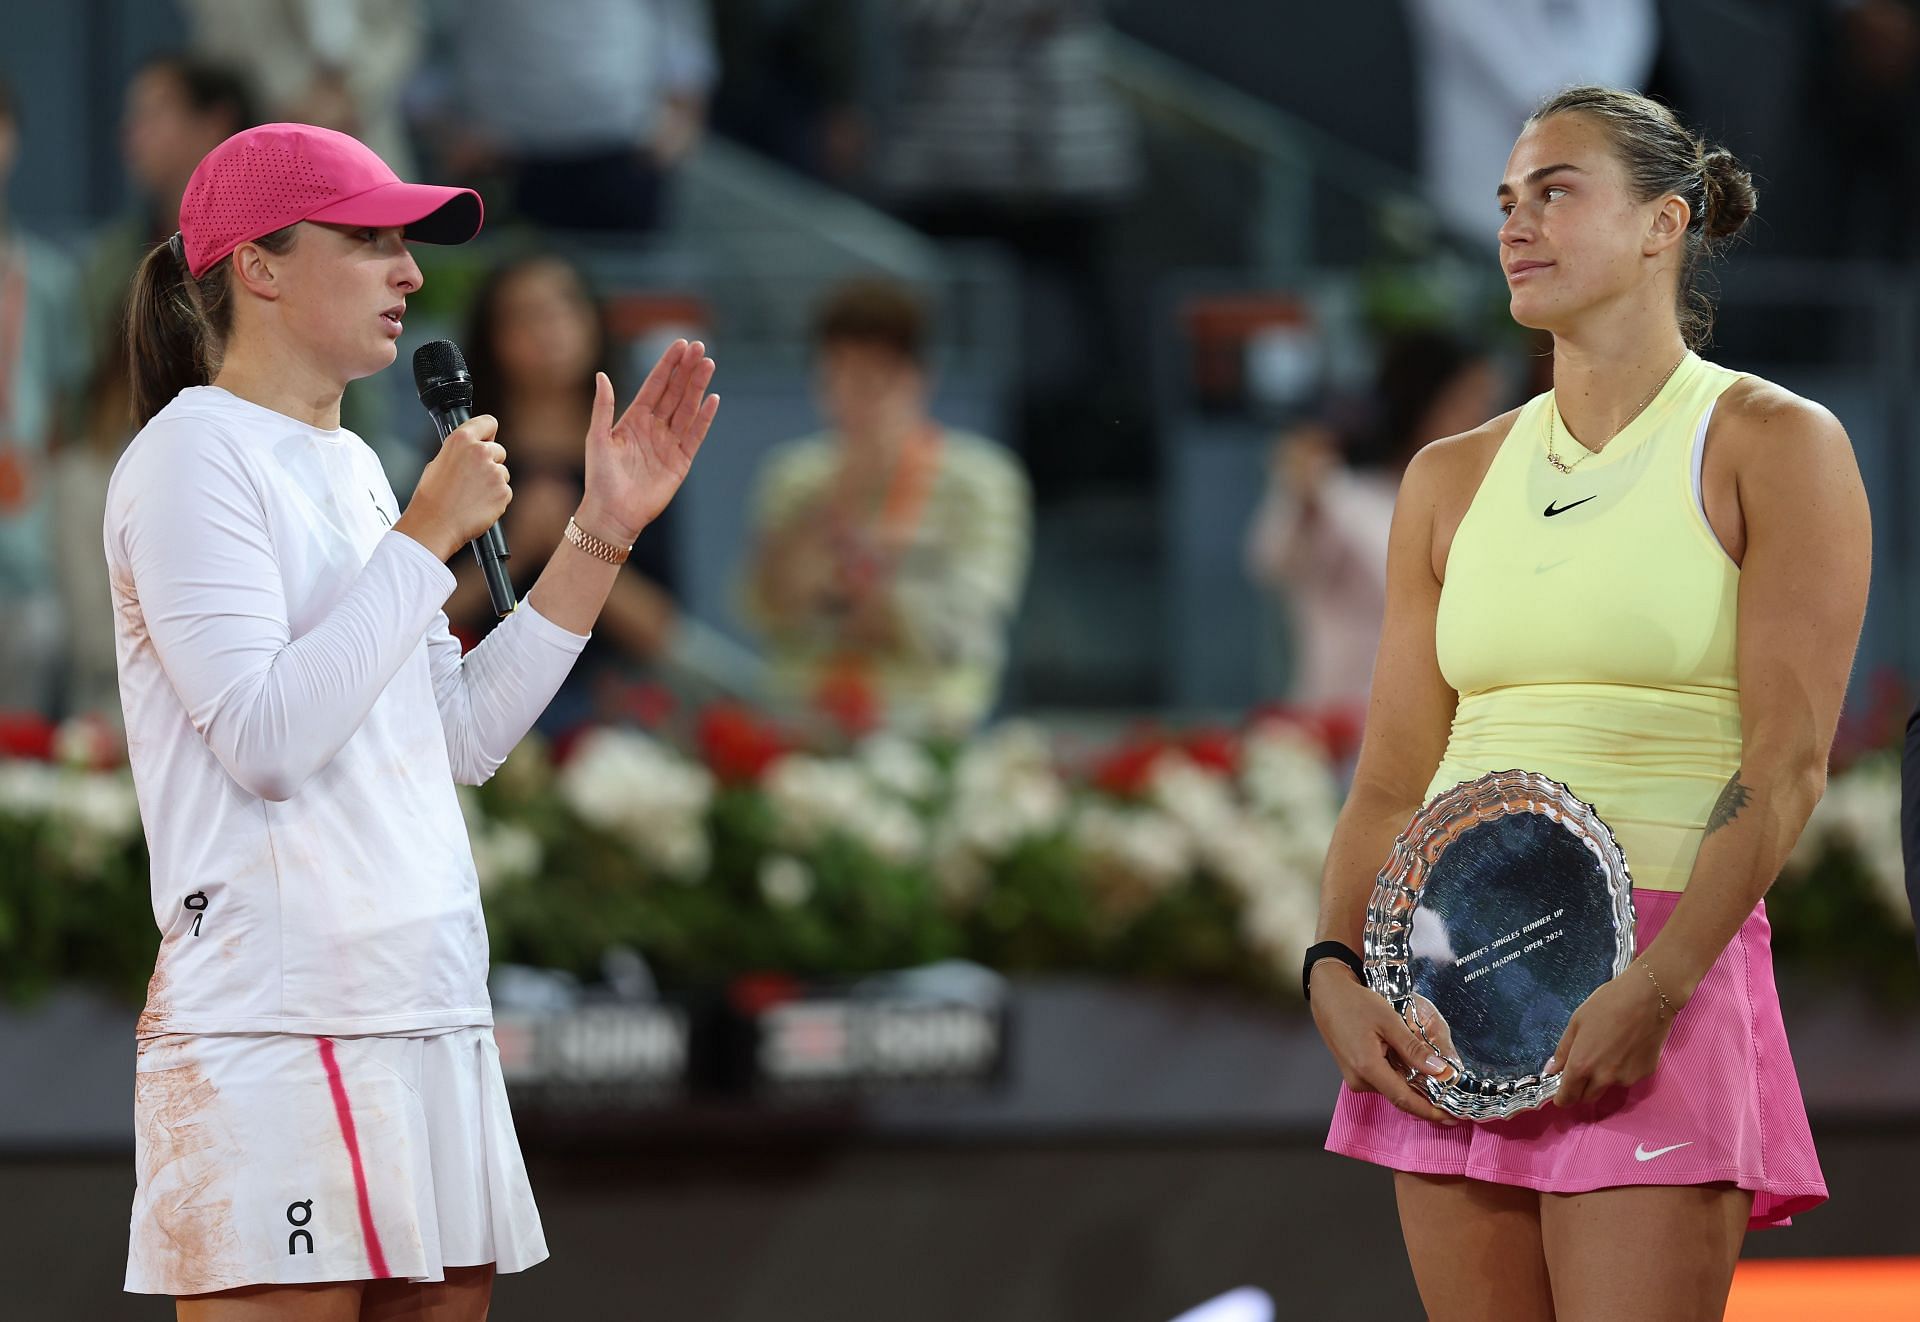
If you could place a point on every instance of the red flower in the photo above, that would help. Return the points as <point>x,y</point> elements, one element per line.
<point>25,734</point>
<point>1336,728</point>
<point>1124,771</point>
<point>560,748</point>
<point>753,994</point>
<point>737,745</point>
<point>847,697</point>
<point>91,741</point>
<point>1216,750</point>
<point>649,706</point>
<point>1876,723</point>
<point>1340,730</point>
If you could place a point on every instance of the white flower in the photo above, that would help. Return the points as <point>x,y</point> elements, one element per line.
<point>896,834</point>
<point>1005,792</point>
<point>1199,799</point>
<point>1143,843</point>
<point>653,798</point>
<point>1280,925</point>
<point>1132,856</point>
<point>995,819</point>
<point>27,789</point>
<point>505,852</point>
<point>1014,747</point>
<point>1290,788</point>
<point>680,849</point>
<point>528,768</point>
<point>1257,854</point>
<point>1286,775</point>
<point>815,798</point>
<point>84,741</point>
<point>785,881</point>
<point>959,872</point>
<point>1861,810</point>
<point>100,804</point>
<point>1253,858</point>
<point>898,765</point>
<point>96,812</point>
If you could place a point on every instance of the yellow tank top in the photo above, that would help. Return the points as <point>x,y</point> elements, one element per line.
<point>1588,623</point>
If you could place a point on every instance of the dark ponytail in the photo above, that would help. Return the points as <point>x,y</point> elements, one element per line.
<point>1727,193</point>
<point>165,332</point>
<point>177,326</point>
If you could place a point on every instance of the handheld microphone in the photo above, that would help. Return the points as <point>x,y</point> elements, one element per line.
<point>446,391</point>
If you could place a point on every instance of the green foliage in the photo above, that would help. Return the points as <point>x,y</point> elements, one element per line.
<point>73,905</point>
<point>1832,923</point>
<point>784,885</point>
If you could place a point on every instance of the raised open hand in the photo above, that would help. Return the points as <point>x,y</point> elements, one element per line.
<point>636,464</point>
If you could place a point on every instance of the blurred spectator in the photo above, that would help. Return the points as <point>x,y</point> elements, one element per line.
<point>535,338</point>
<point>584,105</point>
<point>1000,124</point>
<point>341,64</point>
<point>1320,536</point>
<point>41,360</point>
<point>1868,100</point>
<point>790,82</point>
<point>891,551</point>
<point>1002,105</point>
<point>177,109</point>
<point>1484,65</point>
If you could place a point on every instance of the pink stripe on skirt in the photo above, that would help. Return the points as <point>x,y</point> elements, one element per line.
<point>1724,1105</point>
<point>343,1112</point>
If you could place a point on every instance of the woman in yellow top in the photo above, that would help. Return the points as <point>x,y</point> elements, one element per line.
<point>1647,584</point>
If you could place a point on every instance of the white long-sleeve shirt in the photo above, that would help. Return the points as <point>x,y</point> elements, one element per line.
<point>1485,65</point>
<point>297,716</point>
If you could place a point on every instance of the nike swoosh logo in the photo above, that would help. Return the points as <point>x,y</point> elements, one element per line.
<point>1552,509</point>
<point>1640,1152</point>
<point>1554,564</point>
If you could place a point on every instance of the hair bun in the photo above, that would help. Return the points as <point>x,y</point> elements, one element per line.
<point>1728,193</point>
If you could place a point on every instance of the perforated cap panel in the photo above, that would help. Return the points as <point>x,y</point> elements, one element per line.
<point>269,177</point>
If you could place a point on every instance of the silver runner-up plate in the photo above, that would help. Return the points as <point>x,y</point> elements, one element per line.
<point>1505,903</point>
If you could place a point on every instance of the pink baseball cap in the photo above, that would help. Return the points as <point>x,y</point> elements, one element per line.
<point>266,178</point>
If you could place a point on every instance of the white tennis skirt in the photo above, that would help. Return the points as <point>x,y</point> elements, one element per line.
<point>278,1159</point>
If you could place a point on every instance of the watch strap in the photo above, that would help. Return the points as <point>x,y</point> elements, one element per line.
<point>1320,950</point>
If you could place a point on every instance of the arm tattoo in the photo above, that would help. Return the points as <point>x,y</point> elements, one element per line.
<point>1732,799</point>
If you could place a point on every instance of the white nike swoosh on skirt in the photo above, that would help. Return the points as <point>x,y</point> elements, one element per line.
<point>1640,1152</point>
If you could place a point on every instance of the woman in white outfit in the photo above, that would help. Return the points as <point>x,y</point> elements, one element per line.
<point>321,1126</point>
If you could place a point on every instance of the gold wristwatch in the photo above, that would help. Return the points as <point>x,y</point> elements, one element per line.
<point>597,547</point>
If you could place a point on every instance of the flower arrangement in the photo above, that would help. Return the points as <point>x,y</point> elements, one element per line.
<point>1840,907</point>
<point>74,902</point>
<point>759,853</point>
<point>722,844</point>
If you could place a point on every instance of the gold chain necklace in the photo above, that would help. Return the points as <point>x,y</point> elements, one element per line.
<point>1554,413</point>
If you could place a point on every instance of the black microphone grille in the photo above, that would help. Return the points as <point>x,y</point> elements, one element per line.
<point>439,363</point>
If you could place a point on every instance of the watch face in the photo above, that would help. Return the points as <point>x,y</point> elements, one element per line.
<point>1506,902</point>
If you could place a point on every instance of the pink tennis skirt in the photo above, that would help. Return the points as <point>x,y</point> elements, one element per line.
<point>1723,1107</point>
